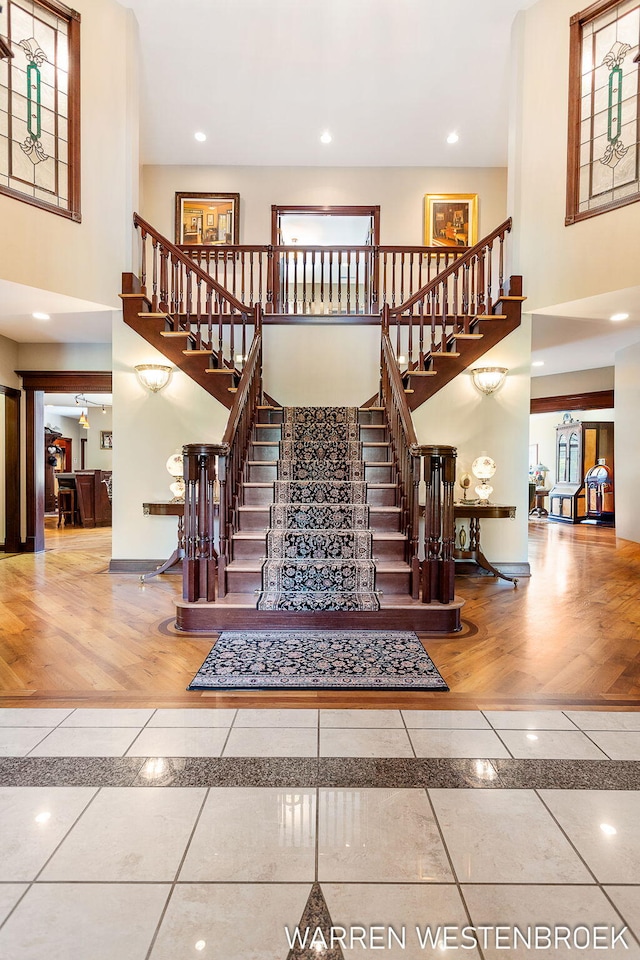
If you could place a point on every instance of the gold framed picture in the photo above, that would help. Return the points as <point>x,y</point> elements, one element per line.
<point>207,219</point>
<point>450,219</point>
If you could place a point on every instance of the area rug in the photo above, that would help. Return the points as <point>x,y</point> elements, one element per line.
<point>318,660</point>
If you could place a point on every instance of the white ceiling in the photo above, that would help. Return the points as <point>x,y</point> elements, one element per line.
<point>64,405</point>
<point>72,320</point>
<point>390,79</point>
<point>578,335</point>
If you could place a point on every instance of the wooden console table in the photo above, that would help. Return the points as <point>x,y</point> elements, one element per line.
<point>167,509</point>
<point>474,512</point>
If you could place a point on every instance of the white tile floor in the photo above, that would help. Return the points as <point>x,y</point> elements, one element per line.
<point>160,873</point>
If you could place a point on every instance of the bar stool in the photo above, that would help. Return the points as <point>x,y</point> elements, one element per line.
<point>66,506</point>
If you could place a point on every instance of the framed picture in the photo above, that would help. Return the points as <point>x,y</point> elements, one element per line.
<point>106,440</point>
<point>450,219</point>
<point>220,212</point>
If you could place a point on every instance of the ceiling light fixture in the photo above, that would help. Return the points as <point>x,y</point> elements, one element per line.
<point>153,376</point>
<point>326,137</point>
<point>453,137</point>
<point>45,316</point>
<point>608,829</point>
<point>538,363</point>
<point>615,317</point>
<point>200,137</point>
<point>489,379</point>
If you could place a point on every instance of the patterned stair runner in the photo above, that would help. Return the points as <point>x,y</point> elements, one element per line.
<point>319,544</point>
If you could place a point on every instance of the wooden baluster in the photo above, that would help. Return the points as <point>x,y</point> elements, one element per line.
<point>143,261</point>
<point>154,281</point>
<point>447,576</point>
<point>501,267</point>
<point>481,282</point>
<point>473,267</point>
<point>465,297</point>
<point>242,277</point>
<point>393,280</point>
<point>330,281</point>
<point>220,330</point>
<point>209,309</point>
<point>199,313</point>
<point>304,281</point>
<point>339,281</point>
<point>433,507</point>
<point>456,305</point>
<point>232,335</point>
<point>358,255</point>
<point>250,255</point>
<point>402,278</point>
<point>489,294</point>
<point>410,344</point>
<point>223,512</point>
<point>385,299</point>
<point>421,341</point>
<point>295,282</point>
<point>432,317</point>
<point>244,337</point>
<point>164,277</point>
<point>348,255</point>
<point>313,280</point>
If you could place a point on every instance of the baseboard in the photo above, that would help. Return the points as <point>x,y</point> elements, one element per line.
<point>468,567</point>
<point>140,566</point>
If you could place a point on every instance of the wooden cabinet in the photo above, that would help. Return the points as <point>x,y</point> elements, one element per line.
<point>92,500</point>
<point>578,448</point>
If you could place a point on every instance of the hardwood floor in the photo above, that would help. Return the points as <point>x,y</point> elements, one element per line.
<point>72,634</point>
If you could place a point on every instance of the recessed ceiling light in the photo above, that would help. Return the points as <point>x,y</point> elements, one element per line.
<point>453,137</point>
<point>43,817</point>
<point>326,137</point>
<point>200,137</point>
<point>608,829</point>
<point>619,316</point>
<point>532,736</point>
<point>538,363</point>
<point>41,316</point>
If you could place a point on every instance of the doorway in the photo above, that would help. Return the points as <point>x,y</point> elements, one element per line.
<point>325,259</point>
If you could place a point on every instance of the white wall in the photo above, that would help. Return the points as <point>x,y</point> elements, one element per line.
<point>542,430</point>
<point>627,447</point>
<point>399,191</point>
<point>496,425</point>
<point>559,263</point>
<point>147,429</point>
<point>85,260</point>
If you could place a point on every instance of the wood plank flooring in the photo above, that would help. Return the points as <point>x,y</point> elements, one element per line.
<point>72,634</point>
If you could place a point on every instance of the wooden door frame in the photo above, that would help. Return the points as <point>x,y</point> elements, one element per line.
<point>36,383</point>
<point>12,499</point>
<point>333,209</point>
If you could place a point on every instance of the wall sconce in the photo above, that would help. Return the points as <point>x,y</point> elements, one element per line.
<point>153,376</point>
<point>488,379</point>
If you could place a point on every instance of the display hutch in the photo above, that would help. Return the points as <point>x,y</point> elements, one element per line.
<point>578,448</point>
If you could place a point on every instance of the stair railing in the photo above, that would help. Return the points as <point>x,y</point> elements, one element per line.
<point>448,304</point>
<point>321,280</point>
<point>430,545</point>
<point>206,466</point>
<point>211,319</point>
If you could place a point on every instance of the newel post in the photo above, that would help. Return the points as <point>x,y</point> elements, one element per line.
<point>447,581</point>
<point>200,563</point>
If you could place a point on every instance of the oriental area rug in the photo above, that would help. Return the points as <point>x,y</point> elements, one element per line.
<point>318,660</point>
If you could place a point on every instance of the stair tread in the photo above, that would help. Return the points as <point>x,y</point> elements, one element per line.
<point>255,566</point>
<point>400,601</point>
<point>260,535</point>
<point>491,316</point>
<point>420,373</point>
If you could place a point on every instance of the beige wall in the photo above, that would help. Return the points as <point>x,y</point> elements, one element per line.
<point>496,425</point>
<point>627,447</point>
<point>559,263</point>
<point>9,363</point>
<point>64,356</point>
<point>147,429</point>
<point>580,381</point>
<point>85,260</point>
<point>399,191</point>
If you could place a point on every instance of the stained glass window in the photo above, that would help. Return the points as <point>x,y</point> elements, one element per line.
<point>604,149</point>
<point>39,108</point>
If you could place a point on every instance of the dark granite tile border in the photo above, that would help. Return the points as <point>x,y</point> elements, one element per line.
<point>345,772</point>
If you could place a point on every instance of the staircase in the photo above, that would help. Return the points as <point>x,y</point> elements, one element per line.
<point>440,327</point>
<point>254,593</point>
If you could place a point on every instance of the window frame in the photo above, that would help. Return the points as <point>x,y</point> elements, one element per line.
<point>576,23</point>
<point>73,211</point>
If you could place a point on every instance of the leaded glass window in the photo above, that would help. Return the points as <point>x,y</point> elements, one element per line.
<point>604,150</point>
<point>39,108</point>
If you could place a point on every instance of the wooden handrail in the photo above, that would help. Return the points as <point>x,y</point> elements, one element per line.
<point>242,395</point>
<point>429,546</point>
<point>178,253</point>
<point>466,258</point>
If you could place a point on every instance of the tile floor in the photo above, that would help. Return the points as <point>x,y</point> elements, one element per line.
<point>176,834</point>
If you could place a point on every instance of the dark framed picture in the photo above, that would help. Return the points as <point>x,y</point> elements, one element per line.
<point>207,219</point>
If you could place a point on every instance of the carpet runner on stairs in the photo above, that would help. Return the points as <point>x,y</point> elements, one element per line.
<point>319,544</point>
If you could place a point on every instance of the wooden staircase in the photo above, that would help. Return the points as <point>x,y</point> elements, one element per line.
<point>440,329</point>
<point>235,605</point>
